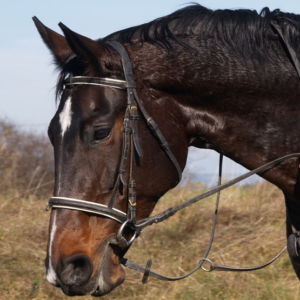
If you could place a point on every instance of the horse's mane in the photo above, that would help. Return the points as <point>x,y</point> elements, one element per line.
<point>247,32</point>
<point>240,28</point>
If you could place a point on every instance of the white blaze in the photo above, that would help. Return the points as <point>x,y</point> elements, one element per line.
<point>65,117</point>
<point>51,276</point>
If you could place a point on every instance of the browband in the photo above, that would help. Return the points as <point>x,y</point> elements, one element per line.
<point>102,81</point>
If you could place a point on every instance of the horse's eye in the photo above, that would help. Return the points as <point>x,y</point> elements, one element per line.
<point>100,134</point>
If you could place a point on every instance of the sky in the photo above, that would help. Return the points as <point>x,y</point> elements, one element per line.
<point>27,75</point>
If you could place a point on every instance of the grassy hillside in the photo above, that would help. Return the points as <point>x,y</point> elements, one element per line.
<point>250,231</point>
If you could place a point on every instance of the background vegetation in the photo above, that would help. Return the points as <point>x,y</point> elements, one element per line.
<point>250,231</point>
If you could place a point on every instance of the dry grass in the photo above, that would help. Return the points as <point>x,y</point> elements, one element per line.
<point>26,164</point>
<point>250,231</point>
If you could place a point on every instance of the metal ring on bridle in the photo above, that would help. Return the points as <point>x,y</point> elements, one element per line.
<point>120,237</point>
<point>203,261</point>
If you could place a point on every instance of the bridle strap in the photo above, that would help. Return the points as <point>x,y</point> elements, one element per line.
<point>204,263</point>
<point>171,211</point>
<point>132,94</point>
<point>88,207</point>
<point>100,81</point>
<point>126,63</point>
<point>159,135</point>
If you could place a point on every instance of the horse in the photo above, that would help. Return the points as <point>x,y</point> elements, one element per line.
<point>130,105</point>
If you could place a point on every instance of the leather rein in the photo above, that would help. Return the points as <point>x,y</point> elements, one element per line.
<point>131,149</point>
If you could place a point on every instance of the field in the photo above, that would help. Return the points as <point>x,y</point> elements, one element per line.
<point>251,230</point>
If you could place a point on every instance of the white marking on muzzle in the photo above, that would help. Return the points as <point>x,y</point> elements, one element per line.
<point>51,275</point>
<point>103,286</point>
<point>65,117</point>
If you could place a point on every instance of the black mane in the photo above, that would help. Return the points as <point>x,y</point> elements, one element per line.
<point>240,28</point>
<point>246,32</point>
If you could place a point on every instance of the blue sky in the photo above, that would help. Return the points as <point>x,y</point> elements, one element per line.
<point>27,76</point>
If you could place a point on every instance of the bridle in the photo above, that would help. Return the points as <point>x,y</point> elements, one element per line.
<point>131,153</point>
<point>130,150</point>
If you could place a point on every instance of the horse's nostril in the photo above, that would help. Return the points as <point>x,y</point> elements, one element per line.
<point>76,270</point>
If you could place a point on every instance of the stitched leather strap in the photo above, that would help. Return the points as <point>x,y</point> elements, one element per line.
<point>171,211</point>
<point>102,81</point>
<point>132,93</point>
<point>88,207</point>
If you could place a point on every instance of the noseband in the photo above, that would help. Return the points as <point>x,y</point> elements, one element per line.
<point>131,149</point>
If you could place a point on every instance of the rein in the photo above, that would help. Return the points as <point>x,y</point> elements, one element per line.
<point>131,148</point>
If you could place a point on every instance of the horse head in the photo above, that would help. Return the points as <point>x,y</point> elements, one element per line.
<point>96,163</point>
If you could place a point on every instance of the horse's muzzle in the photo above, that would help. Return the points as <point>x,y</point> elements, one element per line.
<point>79,275</point>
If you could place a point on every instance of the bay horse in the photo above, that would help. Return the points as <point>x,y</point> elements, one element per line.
<point>213,79</point>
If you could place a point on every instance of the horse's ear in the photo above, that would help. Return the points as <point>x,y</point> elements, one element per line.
<point>85,48</point>
<point>54,41</point>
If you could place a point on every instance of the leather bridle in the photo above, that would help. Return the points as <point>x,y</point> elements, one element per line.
<point>131,149</point>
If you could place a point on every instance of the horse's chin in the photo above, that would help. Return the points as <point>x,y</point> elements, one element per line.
<point>98,292</point>
<point>104,287</point>
<point>98,287</point>
<point>95,288</point>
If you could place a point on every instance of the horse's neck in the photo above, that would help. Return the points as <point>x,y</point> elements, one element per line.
<point>252,125</point>
<point>249,112</point>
